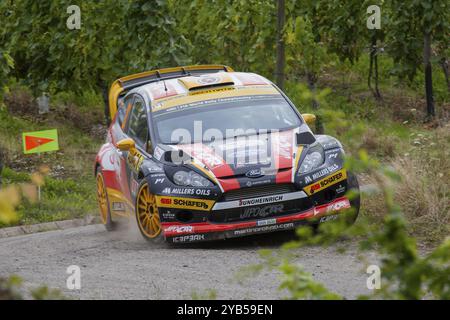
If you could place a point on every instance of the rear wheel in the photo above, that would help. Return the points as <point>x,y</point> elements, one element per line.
<point>103,203</point>
<point>147,215</point>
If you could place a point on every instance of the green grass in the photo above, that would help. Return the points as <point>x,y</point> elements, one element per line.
<point>69,190</point>
<point>61,198</point>
<point>393,132</point>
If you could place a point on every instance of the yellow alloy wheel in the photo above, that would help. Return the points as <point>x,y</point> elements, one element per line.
<point>147,213</point>
<point>101,198</point>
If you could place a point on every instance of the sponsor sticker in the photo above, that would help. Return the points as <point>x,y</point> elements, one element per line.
<point>255,183</point>
<point>259,201</point>
<point>336,206</point>
<point>156,175</point>
<point>266,222</point>
<point>262,200</point>
<point>328,218</point>
<point>180,229</point>
<point>208,80</point>
<point>210,91</point>
<point>341,189</point>
<point>254,173</point>
<point>326,182</point>
<point>166,201</point>
<point>118,206</point>
<point>184,203</point>
<point>333,207</point>
<point>324,172</point>
<point>167,215</point>
<point>261,212</point>
<point>187,191</point>
<point>135,159</point>
<point>308,179</point>
<point>158,153</point>
<point>189,238</point>
<point>333,155</point>
<point>264,229</point>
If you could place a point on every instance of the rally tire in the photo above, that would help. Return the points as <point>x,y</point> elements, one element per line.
<point>147,215</point>
<point>103,202</point>
<point>355,202</point>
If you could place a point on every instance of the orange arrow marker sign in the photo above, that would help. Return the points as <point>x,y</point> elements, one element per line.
<point>40,141</point>
<point>34,142</point>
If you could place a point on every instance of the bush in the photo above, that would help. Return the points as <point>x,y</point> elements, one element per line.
<point>20,102</point>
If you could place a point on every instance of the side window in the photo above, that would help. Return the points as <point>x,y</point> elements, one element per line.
<point>137,123</point>
<point>124,103</point>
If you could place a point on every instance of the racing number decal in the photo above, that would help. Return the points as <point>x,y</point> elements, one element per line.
<point>326,182</point>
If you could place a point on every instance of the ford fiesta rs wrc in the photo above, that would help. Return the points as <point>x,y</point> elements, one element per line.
<point>202,152</point>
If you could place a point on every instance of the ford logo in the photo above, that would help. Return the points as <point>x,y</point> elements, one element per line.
<point>254,173</point>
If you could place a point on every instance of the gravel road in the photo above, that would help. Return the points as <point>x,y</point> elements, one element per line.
<point>121,265</point>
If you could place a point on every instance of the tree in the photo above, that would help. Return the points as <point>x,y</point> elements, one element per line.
<point>238,33</point>
<point>116,38</point>
<point>413,25</point>
<point>376,34</point>
<point>306,56</point>
<point>281,58</point>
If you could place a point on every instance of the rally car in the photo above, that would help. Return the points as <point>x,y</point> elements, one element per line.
<point>202,152</point>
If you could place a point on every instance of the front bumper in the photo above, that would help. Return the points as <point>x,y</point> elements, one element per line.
<point>175,232</point>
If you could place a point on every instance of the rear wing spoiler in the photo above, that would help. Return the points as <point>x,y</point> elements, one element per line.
<point>125,84</point>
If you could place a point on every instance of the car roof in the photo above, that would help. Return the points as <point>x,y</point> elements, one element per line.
<point>167,93</point>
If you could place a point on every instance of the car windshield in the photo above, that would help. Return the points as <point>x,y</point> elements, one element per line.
<point>224,118</point>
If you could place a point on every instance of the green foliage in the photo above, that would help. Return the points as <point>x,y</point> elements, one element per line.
<point>6,65</point>
<point>61,199</point>
<point>405,274</point>
<point>122,37</point>
<point>50,57</point>
<point>238,33</point>
<point>209,294</point>
<point>301,284</point>
<point>339,26</point>
<point>10,289</point>
<point>155,42</point>
<point>45,293</point>
<point>408,21</point>
<point>305,54</point>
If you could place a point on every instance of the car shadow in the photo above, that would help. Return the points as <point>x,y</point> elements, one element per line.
<point>260,241</point>
<point>129,234</point>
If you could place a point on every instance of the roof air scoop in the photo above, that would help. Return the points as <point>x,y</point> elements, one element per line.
<point>206,81</point>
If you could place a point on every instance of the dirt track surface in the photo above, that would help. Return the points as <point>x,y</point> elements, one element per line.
<point>121,265</point>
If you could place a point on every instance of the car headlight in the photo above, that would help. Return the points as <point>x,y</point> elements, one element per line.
<point>313,160</point>
<point>190,178</point>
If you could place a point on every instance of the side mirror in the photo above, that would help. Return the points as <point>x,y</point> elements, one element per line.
<point>309,118</point>
<point>126,144</point>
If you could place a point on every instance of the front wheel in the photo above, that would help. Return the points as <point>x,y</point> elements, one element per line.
<point>147,215</point>
<point>355,199</point>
